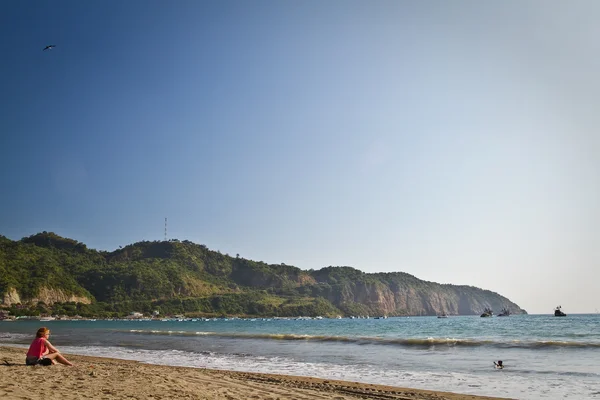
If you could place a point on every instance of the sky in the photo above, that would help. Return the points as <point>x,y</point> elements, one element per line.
<point>455,141</point>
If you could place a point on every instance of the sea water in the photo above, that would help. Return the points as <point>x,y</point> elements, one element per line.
<point>545,357</point>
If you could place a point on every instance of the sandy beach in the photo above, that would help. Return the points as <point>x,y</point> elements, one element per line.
<point>105,378</point>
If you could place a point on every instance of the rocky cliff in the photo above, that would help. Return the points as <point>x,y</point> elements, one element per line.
<point>430,299</point>
<point>45,295</point>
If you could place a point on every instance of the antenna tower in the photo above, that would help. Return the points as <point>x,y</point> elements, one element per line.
<point>165,229</point>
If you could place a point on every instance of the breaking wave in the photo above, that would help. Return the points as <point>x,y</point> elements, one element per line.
<point>407,342</point>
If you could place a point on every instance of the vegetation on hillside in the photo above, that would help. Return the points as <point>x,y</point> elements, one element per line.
<point>180,277</point>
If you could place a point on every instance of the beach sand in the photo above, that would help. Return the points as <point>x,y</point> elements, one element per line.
<point>107,378</point>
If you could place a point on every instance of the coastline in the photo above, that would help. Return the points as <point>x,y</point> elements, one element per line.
<point>109,378</point>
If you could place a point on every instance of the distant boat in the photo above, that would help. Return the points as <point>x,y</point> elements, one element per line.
<point>487,313</point>
<point>558,312</point>
<point>504,313</point>
<point>443,315</point>
<point>45,319</point>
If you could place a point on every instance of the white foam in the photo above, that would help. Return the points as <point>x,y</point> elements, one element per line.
<point>7,337</point>
<point>500,384</point>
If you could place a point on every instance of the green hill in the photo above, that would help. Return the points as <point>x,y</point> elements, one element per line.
<point>46,273</point>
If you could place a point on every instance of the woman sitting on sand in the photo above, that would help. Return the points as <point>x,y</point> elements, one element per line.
<point>42,352</point>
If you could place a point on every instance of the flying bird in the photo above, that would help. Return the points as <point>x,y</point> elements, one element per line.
<point>49,47</point>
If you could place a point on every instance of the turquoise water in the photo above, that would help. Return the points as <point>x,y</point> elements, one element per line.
<point>545,357</point>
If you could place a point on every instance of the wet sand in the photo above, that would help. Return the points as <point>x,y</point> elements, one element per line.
<point>107,378</point>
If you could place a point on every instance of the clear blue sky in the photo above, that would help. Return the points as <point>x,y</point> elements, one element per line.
<point>456,141</point>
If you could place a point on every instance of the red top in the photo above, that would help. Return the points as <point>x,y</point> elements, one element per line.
<point>37,348</point>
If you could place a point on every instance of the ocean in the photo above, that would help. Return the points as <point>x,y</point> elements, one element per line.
<point>545,357</point>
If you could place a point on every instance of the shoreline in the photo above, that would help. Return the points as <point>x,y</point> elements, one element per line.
<point>110,378</point>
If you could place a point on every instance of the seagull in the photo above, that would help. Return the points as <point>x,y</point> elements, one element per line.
<point>49,47</point>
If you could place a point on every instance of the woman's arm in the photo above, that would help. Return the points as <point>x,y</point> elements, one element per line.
<point>51,349</point>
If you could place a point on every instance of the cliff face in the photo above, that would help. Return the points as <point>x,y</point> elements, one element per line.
<point>46,295</point>
<point>429,299</point>
<point>51,296</point>
<point>11,296</point>
<point>376,297</point>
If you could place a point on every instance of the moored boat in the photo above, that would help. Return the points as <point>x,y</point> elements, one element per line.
<point>558,312</point>
<point>487,313</point>
<point>504,313</point>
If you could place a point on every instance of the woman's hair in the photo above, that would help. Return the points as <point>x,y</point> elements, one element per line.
<point>42,332</point>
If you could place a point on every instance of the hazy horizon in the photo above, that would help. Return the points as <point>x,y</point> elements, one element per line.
<point>457,142</point>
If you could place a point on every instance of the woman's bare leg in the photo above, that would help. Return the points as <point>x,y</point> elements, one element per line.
<point>59,357</point>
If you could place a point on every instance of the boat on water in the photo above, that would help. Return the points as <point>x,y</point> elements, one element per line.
<point>504,313</point>
<point>443,315</point>
<point>558,312</point>
<point>487,313</point>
